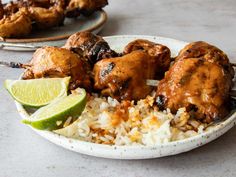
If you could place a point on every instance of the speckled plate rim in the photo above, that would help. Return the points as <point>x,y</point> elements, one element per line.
<point>137,152</point>
<point>101,21</point>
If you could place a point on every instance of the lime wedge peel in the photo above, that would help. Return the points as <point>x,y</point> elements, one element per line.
<point>37,92</point>
<point>54,115</point>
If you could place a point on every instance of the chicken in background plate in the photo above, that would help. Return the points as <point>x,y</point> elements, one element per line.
<point>85,7</point>
<point>11,15</point>
<point>47,17</point>
<point>41,14</point>
<point>20,20</point>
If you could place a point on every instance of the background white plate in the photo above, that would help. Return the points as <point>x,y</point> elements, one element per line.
<point>138,152</point>
<point>57,36</point>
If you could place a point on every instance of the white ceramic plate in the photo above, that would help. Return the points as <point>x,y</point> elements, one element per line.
<point>138,152</point>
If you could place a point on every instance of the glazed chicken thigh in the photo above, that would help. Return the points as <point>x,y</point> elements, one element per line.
<point>160,52</point>
<point>58,62</point>
<point>90,46</point>
<point>200,80</point>
<point>124,78</point>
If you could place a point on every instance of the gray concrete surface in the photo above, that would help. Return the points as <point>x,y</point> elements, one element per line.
<point>25,154</point>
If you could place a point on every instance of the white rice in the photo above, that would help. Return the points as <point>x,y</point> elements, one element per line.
<point>143,123</point>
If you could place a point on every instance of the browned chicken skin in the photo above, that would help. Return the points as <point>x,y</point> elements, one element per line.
<point>45,14</point>
<point>90,46</point>
<point>1,10</point>
<point>199,80</point>
<point>124,78</point>
<point>86,7</point>
<point>10,17</point>
<point>12,7</point>
<point>17,17</point>
<point>41,14</point>
<point>58,62</point>
<point>41,3</point>
<point>206,52</point>
<point>8,25</point>
<point>46,18</point>
<point>160,52</point>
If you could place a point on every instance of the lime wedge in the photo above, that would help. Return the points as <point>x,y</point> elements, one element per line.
<point>37,92</point>
<point>61,111</point>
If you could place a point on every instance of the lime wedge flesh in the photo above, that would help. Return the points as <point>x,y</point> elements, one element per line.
<point>37,92</point>
<point>54,115</point>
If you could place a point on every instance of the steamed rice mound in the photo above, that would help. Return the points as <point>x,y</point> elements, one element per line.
<point>107,121</point>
